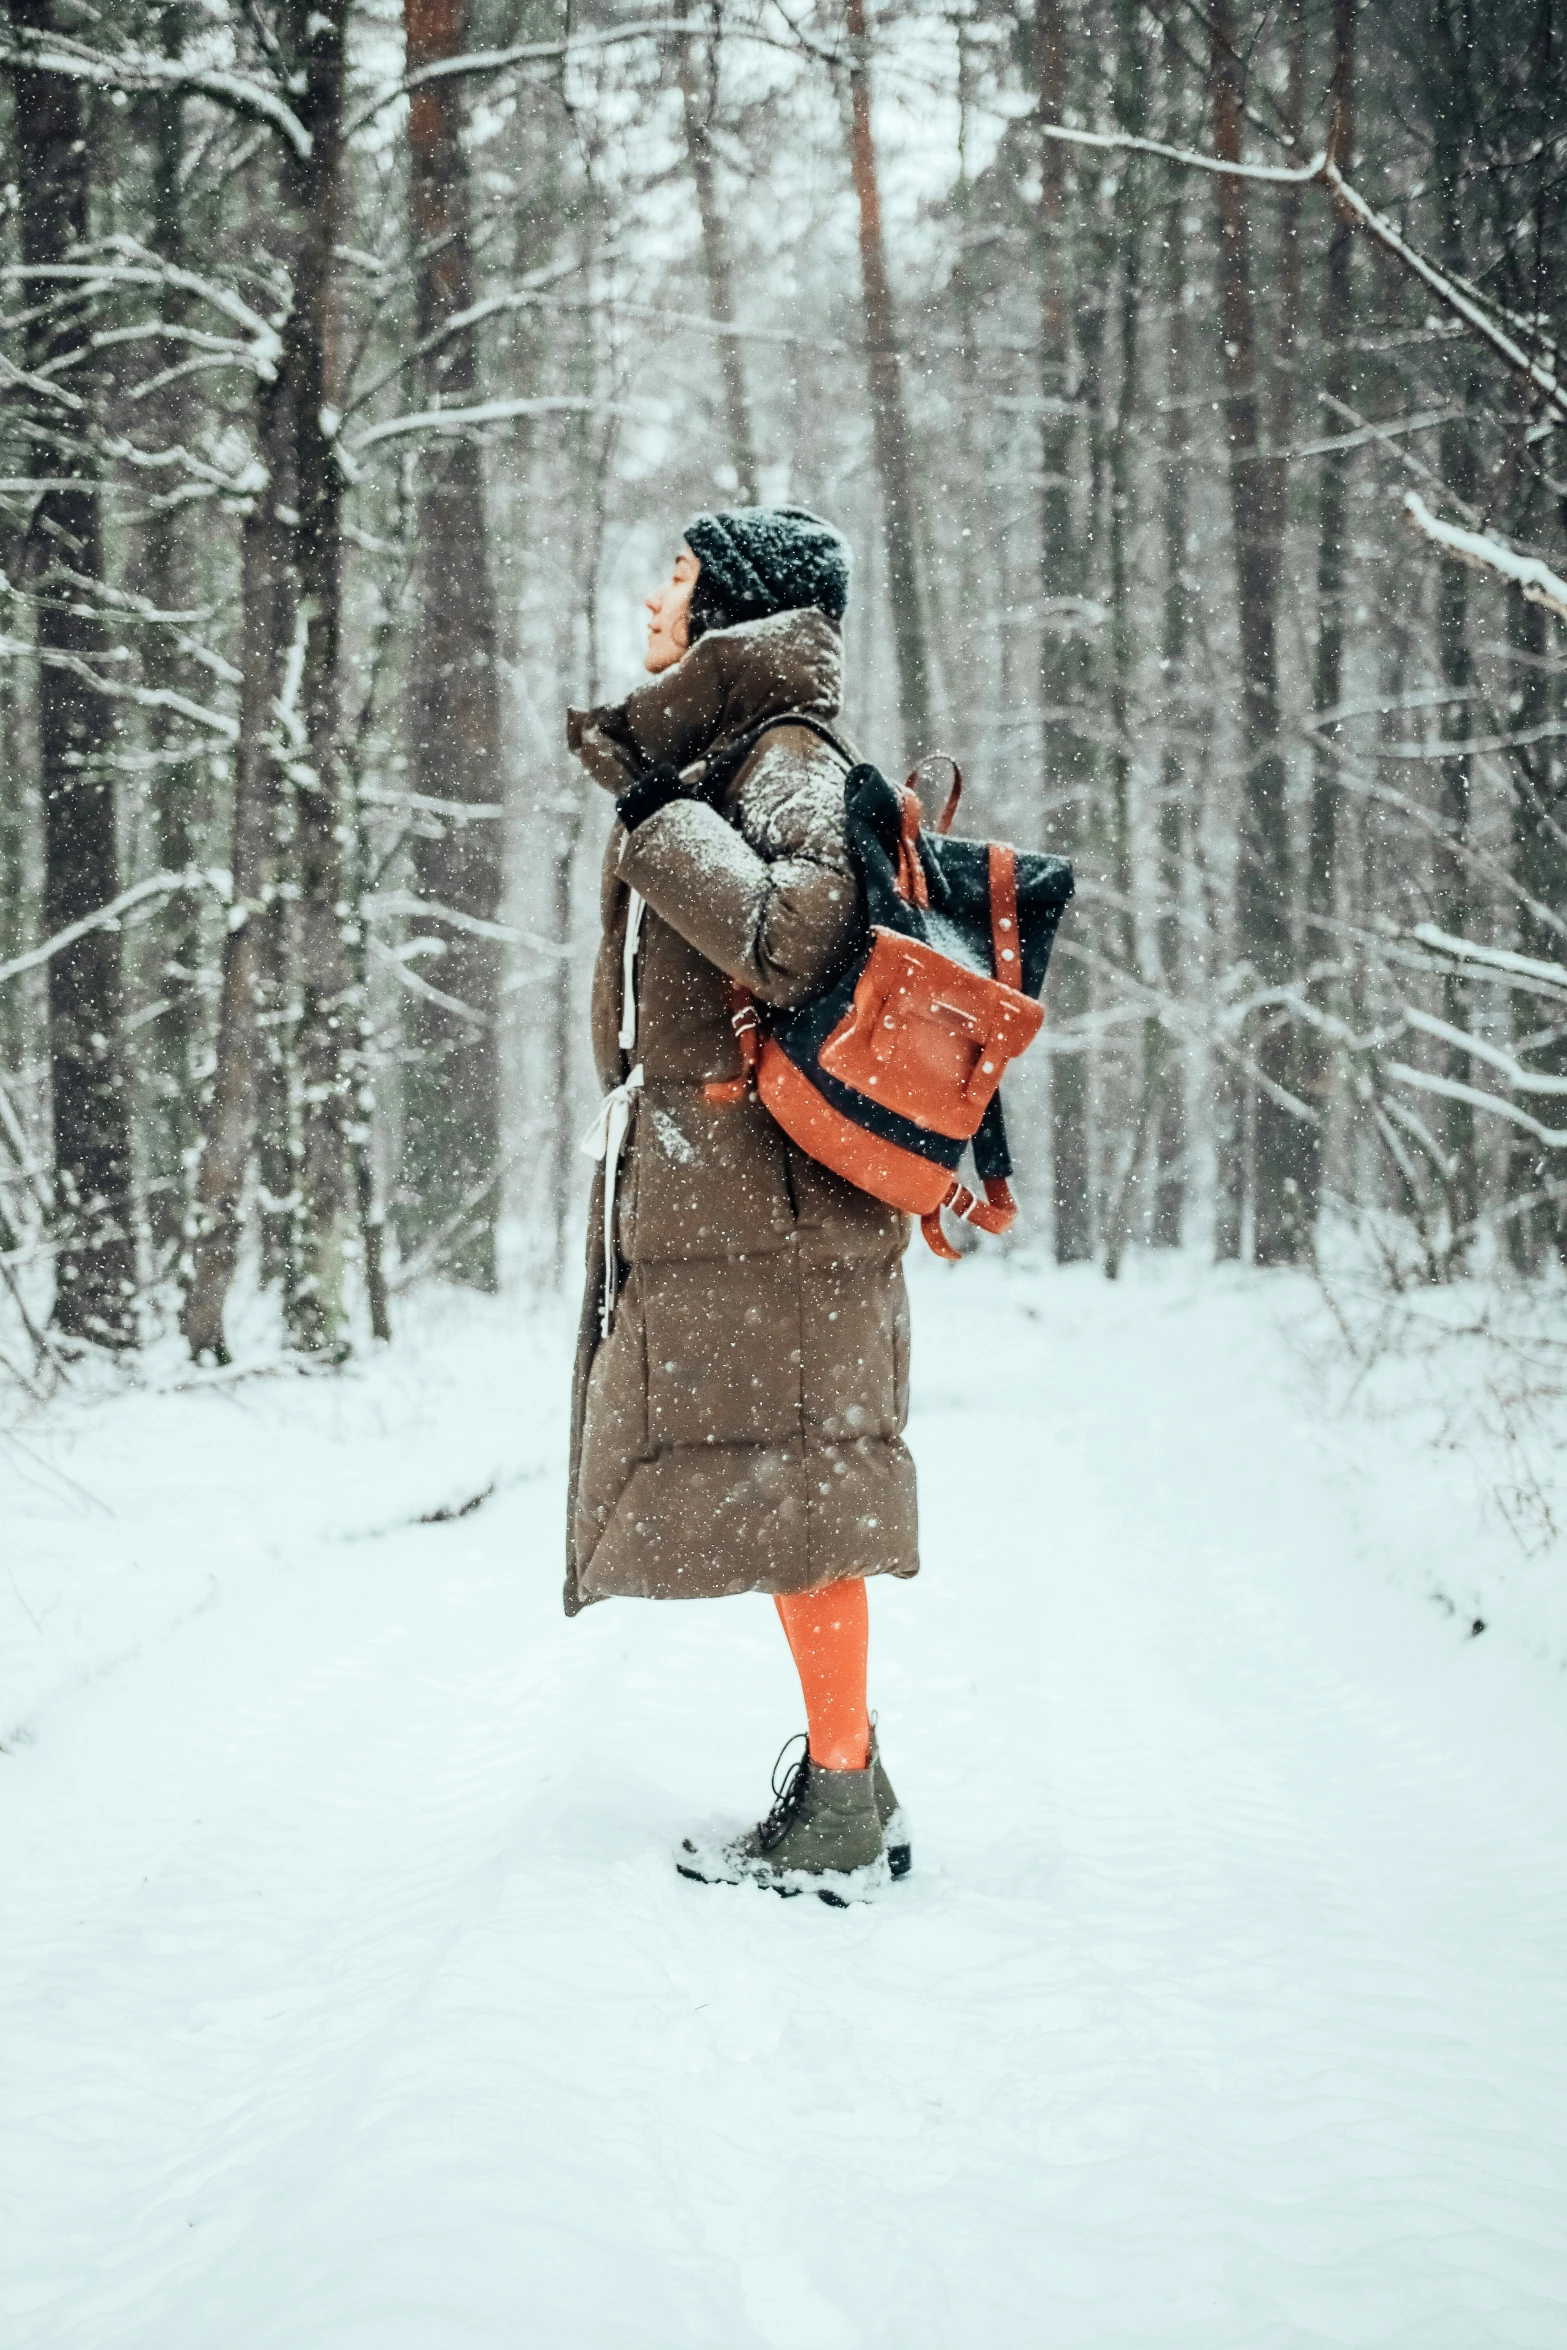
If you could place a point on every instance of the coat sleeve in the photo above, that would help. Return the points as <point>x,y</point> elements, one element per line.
<point>771,899</point>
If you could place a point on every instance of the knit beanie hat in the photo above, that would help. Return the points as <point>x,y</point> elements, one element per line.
<point>757,560</point>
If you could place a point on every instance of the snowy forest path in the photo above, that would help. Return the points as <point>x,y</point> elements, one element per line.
<point>350,1998</point>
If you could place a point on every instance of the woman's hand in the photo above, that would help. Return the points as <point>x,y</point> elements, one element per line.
<point>651,791</point>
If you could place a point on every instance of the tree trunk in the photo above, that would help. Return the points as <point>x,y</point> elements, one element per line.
<point>1314,1064</point>
<point>1094,839</point>
<point>277,1002</point>
<point>1461,471</point>
<point>1538,1222</point>
<point>1257,492</point>
<point>1131,113</point>
<point>1536,1194</point>
<point>14,828</point>
<point>698,105</point>
<point>968,630</point>
<point>889,416</point>
<point>248,983</point>
<point>166,578</point>
<point>327,1011</point>
<point>451,1086</point>
<point>1167,1219</point>
<point>1067,756</point>
<point>96,1262</point>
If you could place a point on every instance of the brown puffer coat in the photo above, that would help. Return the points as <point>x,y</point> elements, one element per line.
<point>740,1428</point>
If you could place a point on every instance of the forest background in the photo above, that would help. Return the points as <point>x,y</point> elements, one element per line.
<point>1187,379</point>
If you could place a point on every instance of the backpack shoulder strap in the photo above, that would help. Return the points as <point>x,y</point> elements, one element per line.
<point>717,776</point>
<point>720,770</point>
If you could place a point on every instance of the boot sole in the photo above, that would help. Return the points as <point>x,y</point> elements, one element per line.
<point>784,1892</point>
<point>900,1861</point>
<point>839,1888</point>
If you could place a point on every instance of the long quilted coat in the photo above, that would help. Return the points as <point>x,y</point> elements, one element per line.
<point>740,1427</point>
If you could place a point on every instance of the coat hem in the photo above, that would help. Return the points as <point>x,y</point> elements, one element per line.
<point>774,1588</point>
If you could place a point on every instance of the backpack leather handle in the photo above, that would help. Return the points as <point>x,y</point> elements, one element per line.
<point>944,820</point>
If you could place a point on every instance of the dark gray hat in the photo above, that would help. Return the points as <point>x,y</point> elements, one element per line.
<point>762,559</point>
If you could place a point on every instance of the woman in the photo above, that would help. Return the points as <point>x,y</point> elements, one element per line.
<point>742,1370</point>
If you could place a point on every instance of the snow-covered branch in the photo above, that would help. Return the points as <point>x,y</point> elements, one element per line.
<point>1515,1074</point>
<point>1289,175</point>
<point>244,484</point>
<point>10,373</point>
<point>526,298</point>
<point>1473,746</point>
<point>390,904</point>
<point>1425,1081</point>
<point>145,697</point>
<point>1535,580</point>
<point>1322,170</point>
<point>157,885</point>
<point>134,265</point>
<point>31,1170</point>
<point>460,811</point>
<point>1470,852</point>
<point>1478,1049</point>
<point>140,69</point>
<point>1499,959</point>
<point>475,61</point>
<point>422,987</point>
<point>1463,306</point>
<point>440,420</point>
<point>191,281</point>
<point>1334,444</point>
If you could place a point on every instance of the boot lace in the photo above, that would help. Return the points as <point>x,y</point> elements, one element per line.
<point>788,1792</point>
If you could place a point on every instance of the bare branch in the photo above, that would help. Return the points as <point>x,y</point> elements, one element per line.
<point>1352,205</point>
<point>1427,421</point>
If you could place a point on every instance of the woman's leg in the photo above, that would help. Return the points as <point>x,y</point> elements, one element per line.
<point>828,1633</point>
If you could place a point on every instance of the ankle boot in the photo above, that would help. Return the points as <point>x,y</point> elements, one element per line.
<point>822,1836</point>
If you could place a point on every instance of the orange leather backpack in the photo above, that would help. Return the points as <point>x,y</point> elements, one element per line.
<point>893,1072</point>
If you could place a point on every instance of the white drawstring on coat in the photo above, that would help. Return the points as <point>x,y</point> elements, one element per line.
<point>636,907</point>
<point>606,1137</point>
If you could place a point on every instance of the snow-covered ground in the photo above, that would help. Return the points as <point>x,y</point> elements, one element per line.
<point>351,2002</point>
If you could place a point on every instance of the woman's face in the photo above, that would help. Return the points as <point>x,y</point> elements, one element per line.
<point>669,611</point>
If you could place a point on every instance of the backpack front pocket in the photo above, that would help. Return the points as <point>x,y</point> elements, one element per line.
<point>928,1038</point>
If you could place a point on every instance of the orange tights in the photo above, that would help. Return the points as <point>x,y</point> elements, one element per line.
<point>828,1633</point>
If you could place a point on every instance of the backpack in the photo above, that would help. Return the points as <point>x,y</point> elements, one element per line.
<point>894,1070</point>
